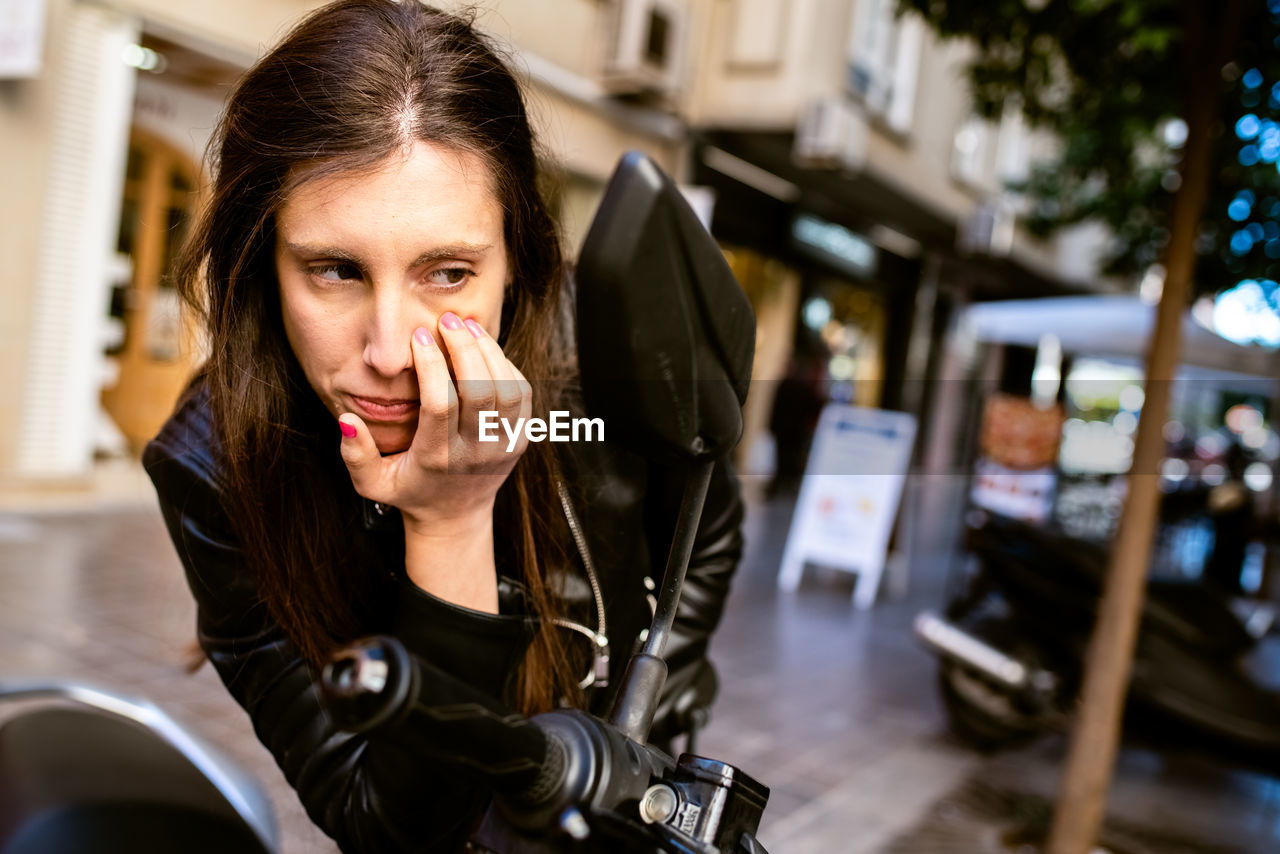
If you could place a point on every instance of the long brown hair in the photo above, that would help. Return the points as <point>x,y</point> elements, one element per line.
<point>353,83</point>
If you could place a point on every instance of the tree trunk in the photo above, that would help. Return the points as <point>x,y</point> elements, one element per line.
<point>1090,763</point>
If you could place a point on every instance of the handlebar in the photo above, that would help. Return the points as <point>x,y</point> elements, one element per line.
<point>564,777</point>
<point>374,683</point>
<point>565,773</point>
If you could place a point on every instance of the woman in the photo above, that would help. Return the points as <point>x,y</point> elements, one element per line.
<point>375,268</point>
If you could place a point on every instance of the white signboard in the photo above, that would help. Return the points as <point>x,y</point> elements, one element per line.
<point>850,495</point>
<point>21,37</point>
<point>1026,495</point>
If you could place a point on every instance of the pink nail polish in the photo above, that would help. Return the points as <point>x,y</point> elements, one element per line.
<point>451,320</point>
<point>423,337</point>
<point>476,329</point>
<point>348,430</point>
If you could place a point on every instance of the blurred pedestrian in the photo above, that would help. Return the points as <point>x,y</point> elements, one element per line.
<point>797,406</point>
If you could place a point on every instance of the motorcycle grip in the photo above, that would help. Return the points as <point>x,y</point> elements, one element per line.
<point>376,684</point>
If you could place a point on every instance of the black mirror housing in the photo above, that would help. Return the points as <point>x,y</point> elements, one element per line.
<point>666,335</point>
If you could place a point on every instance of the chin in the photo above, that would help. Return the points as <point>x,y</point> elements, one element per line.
<point>391,438</point>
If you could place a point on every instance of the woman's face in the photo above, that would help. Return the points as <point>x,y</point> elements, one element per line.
<point>365,258</point>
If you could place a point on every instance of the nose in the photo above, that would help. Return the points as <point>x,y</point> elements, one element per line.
<point>389,327</point>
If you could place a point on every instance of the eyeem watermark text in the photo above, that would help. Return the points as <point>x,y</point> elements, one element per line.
<point>559,428</point>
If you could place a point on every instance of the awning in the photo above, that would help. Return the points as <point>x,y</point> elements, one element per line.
<point>1117,327</point>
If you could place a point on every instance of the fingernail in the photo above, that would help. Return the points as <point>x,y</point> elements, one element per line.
<point>348,430</point>
<point>451,320</point>
<point>476,329</point>
<point>423,337</point>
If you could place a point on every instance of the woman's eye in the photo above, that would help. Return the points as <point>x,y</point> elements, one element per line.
<point>335,272</point>
<point>450,275</point>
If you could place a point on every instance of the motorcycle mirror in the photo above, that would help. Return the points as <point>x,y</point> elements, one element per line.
<point>666,335</point>
<point>665,343</point>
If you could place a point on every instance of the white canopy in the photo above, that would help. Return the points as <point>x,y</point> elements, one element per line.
<point>1116,327</point>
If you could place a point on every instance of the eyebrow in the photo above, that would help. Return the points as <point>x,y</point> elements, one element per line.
<point>431,255</point>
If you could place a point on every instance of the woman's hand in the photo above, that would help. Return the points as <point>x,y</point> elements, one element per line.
<point>445,483</point>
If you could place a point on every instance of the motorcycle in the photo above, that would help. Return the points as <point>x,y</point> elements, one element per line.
<point>665,345</point>
<point>666,339</point>
<point>1011,647</point>
<point>109,774</point>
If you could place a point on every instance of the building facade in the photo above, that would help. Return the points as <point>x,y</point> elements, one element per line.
<point>857,199</point>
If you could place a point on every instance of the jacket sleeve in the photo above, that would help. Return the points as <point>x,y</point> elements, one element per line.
<point>717,550</point>
<point>374,792</point>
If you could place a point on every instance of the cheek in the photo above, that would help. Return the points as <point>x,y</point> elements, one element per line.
<point>483,304</point>
<point>315,339</point>
<point>495,303</point>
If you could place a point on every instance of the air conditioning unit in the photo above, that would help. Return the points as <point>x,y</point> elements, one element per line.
<point>989,228</point>
<point>645,50</point>
<point>831,134</point>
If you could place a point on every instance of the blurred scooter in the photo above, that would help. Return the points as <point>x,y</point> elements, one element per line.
<point>1011,649</point>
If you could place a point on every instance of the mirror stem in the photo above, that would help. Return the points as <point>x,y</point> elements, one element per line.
<point>638,700</point>
<point>664,615</point>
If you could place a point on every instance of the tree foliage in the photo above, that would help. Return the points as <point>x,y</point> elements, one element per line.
<point>1110,78</point>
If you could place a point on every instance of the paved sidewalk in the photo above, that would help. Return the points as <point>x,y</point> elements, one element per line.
<point>833,708</point>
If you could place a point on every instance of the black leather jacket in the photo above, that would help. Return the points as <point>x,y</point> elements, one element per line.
<point>374,792</point>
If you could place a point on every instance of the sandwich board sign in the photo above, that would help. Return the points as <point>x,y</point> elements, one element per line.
<point>849,496</point>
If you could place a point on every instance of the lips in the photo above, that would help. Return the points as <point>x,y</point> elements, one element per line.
<point>385,408</point>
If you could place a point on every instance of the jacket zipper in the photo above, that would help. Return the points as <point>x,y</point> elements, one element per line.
<point>599,674</point>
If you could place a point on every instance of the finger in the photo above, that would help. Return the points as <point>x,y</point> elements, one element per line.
<point>438,410</point>
<point>361,456</point>
<point>474,382</point>
<point>526,405</point>
<point>526,391</point>
<point>505,383</point>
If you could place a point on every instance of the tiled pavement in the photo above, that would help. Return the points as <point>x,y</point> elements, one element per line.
<point>100,597</point>
<point>834,709</point>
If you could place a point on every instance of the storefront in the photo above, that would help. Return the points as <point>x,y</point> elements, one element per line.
<point>834,309</point>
